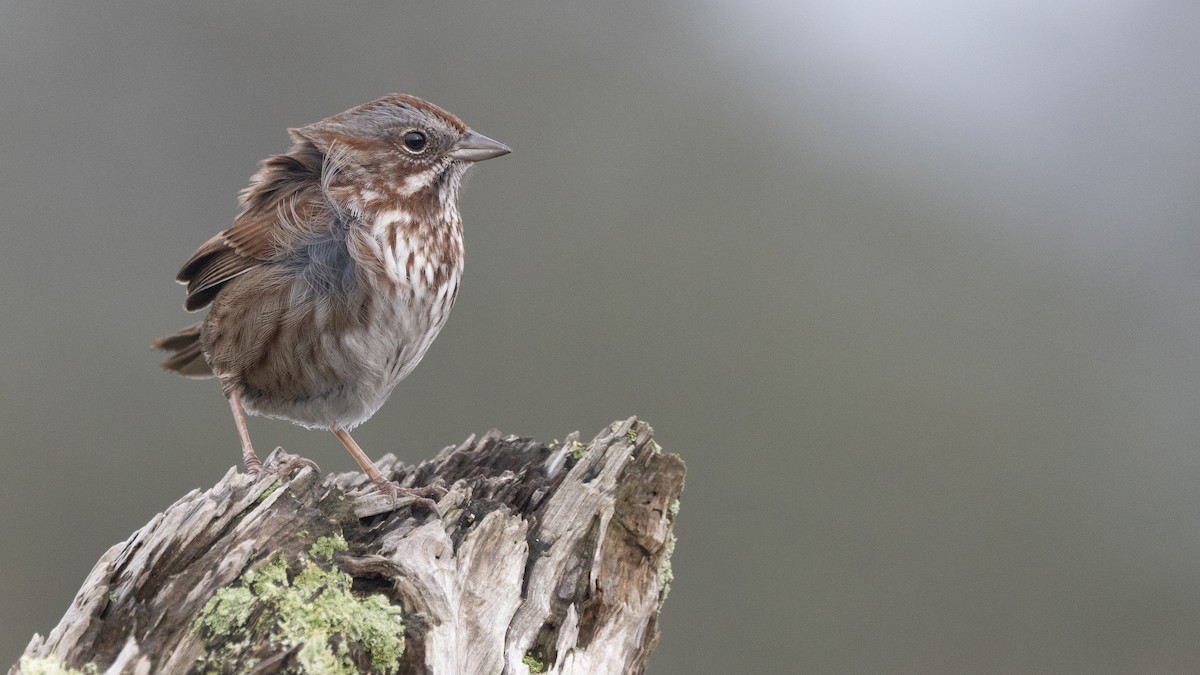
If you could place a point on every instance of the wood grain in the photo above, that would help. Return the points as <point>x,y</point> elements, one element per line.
<point>546,558</point>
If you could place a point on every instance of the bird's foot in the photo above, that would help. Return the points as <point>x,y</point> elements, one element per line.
<point>253,465</point>
<point>419,497</point>
<point>280,464</point>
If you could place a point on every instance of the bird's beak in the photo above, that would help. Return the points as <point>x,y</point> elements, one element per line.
<point>475,147</point>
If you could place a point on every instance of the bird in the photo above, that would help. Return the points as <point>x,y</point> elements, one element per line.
<point>337,274</point>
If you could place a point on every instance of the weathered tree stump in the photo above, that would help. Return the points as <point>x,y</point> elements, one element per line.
<point>545,558</point>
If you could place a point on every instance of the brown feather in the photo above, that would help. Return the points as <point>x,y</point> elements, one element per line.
<point>187,359</point>
<point>179,340</point>
<point>189,362</point>
<point>283,203</point>
<point>198,259</point>
<point>217,268</point>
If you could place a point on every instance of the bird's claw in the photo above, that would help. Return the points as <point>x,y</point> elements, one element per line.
<point>280,464</point>
<point>421,497</point>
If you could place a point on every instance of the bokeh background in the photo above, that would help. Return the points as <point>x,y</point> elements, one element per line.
<point>912,286</point>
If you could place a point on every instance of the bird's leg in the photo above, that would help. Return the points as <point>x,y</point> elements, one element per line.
<point>421,496</point>
<point>253,465</point>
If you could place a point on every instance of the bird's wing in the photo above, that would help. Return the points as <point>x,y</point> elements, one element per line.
<point>283,202</point>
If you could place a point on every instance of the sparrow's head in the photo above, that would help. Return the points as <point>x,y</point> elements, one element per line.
<point>398,146</point>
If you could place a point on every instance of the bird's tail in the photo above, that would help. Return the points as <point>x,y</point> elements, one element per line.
<point>186,357</point>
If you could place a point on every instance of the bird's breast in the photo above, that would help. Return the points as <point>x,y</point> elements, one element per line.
<point>419,254</point>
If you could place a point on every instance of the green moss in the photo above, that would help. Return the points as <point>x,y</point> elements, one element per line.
<point>325,547</point>
<point>533,663</point>
<point>578,450</point>
<point>665,574</point>
<point>269,491</point>
<point>630,433</point>
<point>314,609</point>
<point>52,666</point>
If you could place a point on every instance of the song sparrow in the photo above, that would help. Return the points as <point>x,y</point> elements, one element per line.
<point>337,274</point>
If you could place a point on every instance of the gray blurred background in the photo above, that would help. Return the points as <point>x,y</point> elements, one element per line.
<point>912,287</point>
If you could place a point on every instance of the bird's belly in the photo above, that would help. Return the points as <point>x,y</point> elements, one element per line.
<point>324,378</point>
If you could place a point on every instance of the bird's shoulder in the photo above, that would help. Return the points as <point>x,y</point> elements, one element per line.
<point>283,206</point>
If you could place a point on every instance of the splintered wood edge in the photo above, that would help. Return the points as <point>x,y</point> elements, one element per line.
<point>568,579</point>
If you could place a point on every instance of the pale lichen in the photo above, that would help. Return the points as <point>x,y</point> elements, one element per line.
<point>313,611</point>
<point>534,664</point>
<point>666,575</point>
<point>325,547</point>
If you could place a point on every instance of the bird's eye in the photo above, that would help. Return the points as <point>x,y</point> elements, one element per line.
<point>414,141</point>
